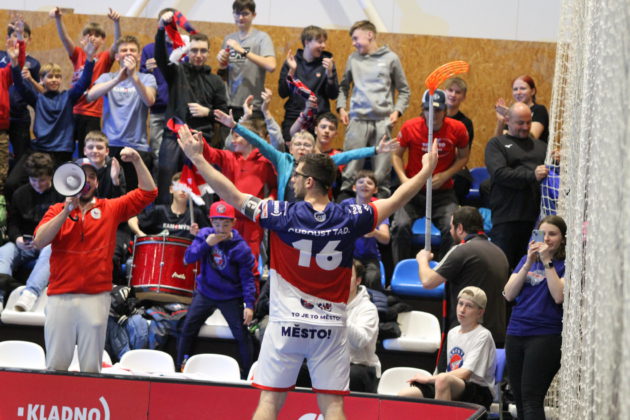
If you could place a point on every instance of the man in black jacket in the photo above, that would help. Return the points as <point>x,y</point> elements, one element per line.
<point>194,92</point>
<point>515,162</point>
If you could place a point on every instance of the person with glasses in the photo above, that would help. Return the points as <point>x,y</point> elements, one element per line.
<point>193,93</point>
<point>311,267</point>
<point>246,56</point>
<point>301,144</point>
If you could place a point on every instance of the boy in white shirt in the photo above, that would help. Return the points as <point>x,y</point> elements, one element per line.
<point>469,375</point>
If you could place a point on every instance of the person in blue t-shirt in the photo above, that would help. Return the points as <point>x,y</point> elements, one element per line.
<point>226,282</point>
<point>534,333</point>
<point>366,247</point>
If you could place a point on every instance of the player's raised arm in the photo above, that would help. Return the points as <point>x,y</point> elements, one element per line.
<point>192,145</point>
<point>407,190</point>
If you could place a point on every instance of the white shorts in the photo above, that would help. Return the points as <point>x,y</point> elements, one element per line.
<point>285,346</point>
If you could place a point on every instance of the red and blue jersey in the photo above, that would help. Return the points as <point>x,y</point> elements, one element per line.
<point>311,258</point>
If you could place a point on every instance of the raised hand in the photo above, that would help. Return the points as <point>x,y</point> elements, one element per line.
<point>223,57</point>
<point>501,110</point>
<point>89,48</point>
<point>430,160</point>
<point>191,145</point>
<point>127,154</point>
<point>329,65</point>
<point>114,172</point>
<point>233,44</point>
<point>129,63</point>
<point>198,110</point>
<point>55,13</point>
<point>225,119</point>
<point>113,15</point>
<point>248,107</point>
<point>291,62</point>
<point>266,96</point>
<point>150,64</point>
<point>387,146</point>
<point>166,18</point>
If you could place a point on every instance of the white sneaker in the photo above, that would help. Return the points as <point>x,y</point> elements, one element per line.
<point>26,301</point>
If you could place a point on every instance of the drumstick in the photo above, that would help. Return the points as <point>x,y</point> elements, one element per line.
<point>192,210</point>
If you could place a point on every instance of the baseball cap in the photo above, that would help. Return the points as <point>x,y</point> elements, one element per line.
<point>439,99</point>
<point>474,294</point>
<point>86,163</point>
<point>222,210</point>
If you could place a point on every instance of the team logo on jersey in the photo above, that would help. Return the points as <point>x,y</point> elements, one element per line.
<point>219,258</point>
<point>275,211</point>
<point>325,306</point>
<point>535,277</point>
<point>306,304</point>
<point>319,216</point>
<point>96,213</point>
<point>456,360</point>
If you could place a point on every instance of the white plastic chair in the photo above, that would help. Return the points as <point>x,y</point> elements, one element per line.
<point>22,354</point>
<point>420,333</point>
<point>34,317</point>
<point>395,379</point>
<point>252,371</point>
<point>74,365</point>
<point>148,361</point>
<point>215,367</point>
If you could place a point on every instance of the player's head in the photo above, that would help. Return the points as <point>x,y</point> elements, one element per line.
<point>524,89</point>
<point>50,77</point>
<point>302,143</point>
<point>179,192</point>
<point>39,168</point>
<point>465,220</point>
<point>455,89</point>
<point>314,173</point>
<point>326,130</point>
<point>222,217</point>
<point>519,120</point>
<point>365,185</point>
<point>363,35</point>
<point>555,235</point>
<point>94,32</point>
<point>91,180</point>
<point>471,304</point>
<point>199,48</point>
<point>96,147</point>
<point>239,144</point>
<point>314,40</point>
<point>128,45</point>
<point>439,107</point>
<point>244,12</point>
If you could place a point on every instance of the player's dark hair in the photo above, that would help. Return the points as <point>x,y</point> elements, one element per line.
<point>93,28</point>
<point>359,269</point>
<point>321,168</point>
<point>239,5</point>
<point>328,116</point>
<point>200,37</point>
<point>364,25</point>
<point>366,173</point>
<point>470,219</point>
<point>39,164</point>
<point>127,39</point>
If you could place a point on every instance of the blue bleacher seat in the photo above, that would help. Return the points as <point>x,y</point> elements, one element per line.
<point>478,176</point>
<point>498,378</point>
<point>487,219</point>
<point>418,230</point>
<point>406,281</point>
<point>383,279</point>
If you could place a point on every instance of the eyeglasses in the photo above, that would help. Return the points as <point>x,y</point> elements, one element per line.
<point>298,173</point>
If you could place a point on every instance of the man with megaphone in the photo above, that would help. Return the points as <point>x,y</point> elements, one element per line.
<point>82,232</point>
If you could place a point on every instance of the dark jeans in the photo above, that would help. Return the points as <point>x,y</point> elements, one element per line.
<point>200,309</point>
<point>513,239</point>
<point>362,378</point>
<point>532,362</point>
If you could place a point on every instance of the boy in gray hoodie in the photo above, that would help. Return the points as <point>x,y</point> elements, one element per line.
<point>375,73</point>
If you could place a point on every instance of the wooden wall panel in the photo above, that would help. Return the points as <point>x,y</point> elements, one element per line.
<point>494,63</point>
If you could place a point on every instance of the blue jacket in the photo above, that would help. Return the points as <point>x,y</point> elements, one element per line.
<point>285,162</point>
<point>226,268</point>
<point>54,122</point>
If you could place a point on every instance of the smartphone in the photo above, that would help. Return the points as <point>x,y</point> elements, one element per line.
<point>538,235</point>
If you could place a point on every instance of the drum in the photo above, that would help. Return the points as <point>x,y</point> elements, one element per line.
<point>158,271</point>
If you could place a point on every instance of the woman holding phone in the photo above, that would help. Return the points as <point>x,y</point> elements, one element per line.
<point>533,341</point>
<point>524,90</point>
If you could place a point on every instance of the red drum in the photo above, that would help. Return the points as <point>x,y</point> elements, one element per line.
<point>158,271</point>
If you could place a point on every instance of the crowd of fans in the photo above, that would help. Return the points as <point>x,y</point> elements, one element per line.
<point>167,84</point>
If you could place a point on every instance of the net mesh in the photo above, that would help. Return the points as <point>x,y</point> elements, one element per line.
<point>588,150</point>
